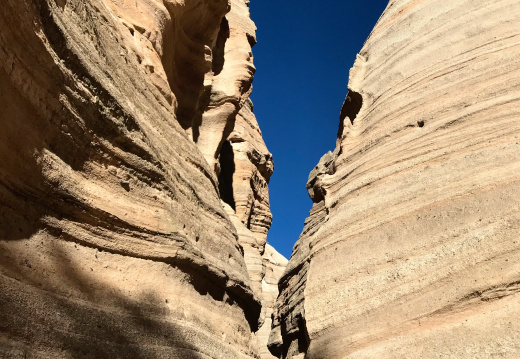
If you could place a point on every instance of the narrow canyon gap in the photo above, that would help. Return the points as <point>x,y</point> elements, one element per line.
<point>134,199</point>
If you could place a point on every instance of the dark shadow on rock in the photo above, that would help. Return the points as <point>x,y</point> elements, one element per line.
<point>225,178</point>
<point>351,107</point>
<point>97,322</point>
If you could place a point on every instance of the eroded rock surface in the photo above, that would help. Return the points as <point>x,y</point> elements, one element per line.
<point>275,265</point>
<point>245,169</point>
<point>114,241</point>
<point>228,84</point>
<point>412,246</point>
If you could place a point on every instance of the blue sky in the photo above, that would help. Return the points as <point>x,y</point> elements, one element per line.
<point>304,52</point>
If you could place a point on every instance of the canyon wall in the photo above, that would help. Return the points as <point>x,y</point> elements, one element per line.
<point>134,204</point>
<point>412,247</point>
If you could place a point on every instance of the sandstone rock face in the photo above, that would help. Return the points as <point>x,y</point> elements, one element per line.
<point>231,141</point>
<point>114,241</point>
<point>253,169</point>
<point>275,265</point>
<point>412,247</point>
<point>245,168</point>
<point>228,84</point>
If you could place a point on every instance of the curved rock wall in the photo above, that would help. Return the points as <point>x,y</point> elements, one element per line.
<point>412,247</point>
<point>246,199</point>
<point>114,241</point>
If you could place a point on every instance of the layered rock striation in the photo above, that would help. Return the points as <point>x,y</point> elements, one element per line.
<point>275,265</point>
<point>412,246</point>
<point>114,240</point>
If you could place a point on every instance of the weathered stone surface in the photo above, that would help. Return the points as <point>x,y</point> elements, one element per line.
<point>275,265</point>
<point>228,84</point>
<point>412,247</point>
<point>245,167</point>
<point>114,242</point>
<point>253,169</point>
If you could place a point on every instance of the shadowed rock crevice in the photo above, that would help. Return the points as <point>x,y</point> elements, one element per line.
<point>295,339</point>
<point>191,40</point>
<point>219,48</point>
<point>225,178</point>
<point>350,109</point>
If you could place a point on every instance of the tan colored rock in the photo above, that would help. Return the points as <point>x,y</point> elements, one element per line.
<point>113,239</point>
<point>232,143</point>
<point>228,84</point>
<point>245,169</point>
<point>275,265</point>
<point>253,169</point>
<point>412,247</point>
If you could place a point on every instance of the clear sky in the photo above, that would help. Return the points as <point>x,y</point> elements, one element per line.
<point>304,52</point>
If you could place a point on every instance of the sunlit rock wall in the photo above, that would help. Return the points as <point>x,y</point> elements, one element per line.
<point>246,166</point>
<point>412,247</point>
<point>114,240</point>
